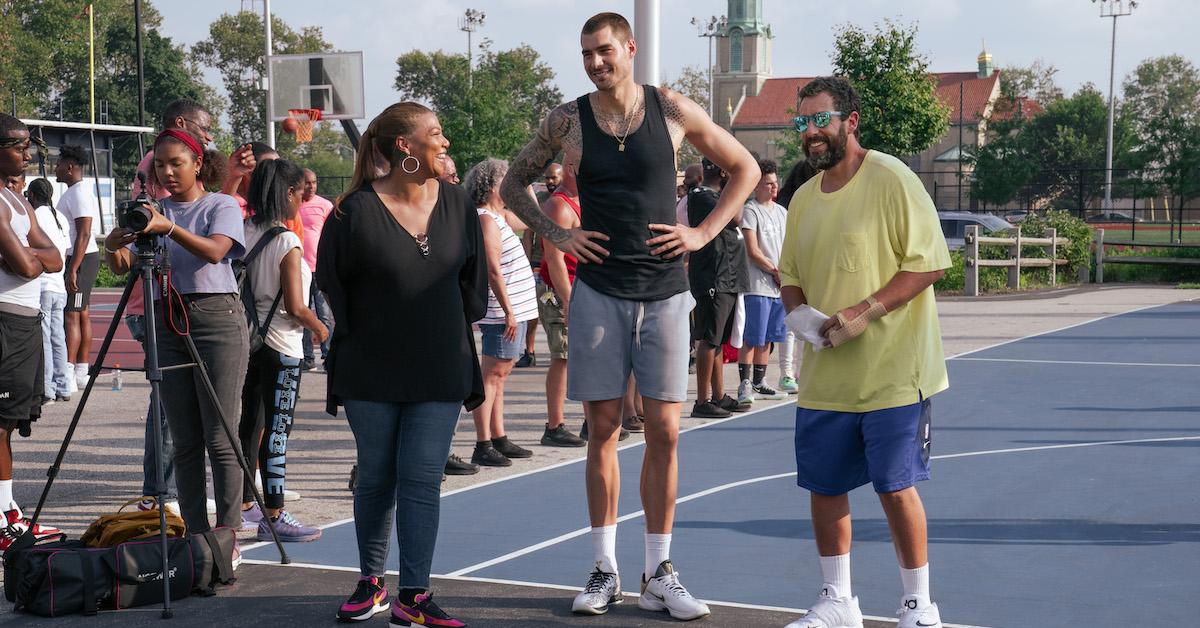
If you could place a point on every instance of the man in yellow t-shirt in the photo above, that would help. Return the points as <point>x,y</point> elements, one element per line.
<point>863,246</point>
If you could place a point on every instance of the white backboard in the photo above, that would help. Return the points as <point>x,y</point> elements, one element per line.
<point>331,82</point>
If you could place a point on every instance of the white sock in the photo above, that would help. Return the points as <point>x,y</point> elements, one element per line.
<point>658,549</point>
<point>81,370</point>
<point>604,547</point>
<point>835,570</point>
<point>6,496</point>
<point>916,581</point>
<point>787,356</point>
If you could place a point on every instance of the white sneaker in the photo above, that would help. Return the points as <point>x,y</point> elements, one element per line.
<point>81,376</point>
<point>602,588</point>
<point>72,383</point>
<point>745,392</point>
<point>831,611</point>
<point>663,592</point>
<point>918,612</point>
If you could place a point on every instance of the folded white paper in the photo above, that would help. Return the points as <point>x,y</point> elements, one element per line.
<point>806,322</point>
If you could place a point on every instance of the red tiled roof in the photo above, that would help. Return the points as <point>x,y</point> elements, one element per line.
<point>770,108</point>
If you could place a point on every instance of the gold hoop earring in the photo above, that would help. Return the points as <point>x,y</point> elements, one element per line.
<point>404,161</point>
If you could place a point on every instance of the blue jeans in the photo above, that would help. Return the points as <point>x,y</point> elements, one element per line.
<point>402,451</point>
<point>137,328</point>
<point>325,315</point>
<point>54,345</point>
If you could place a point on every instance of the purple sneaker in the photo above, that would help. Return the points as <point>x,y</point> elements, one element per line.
<point>288,528</point>
<point>251,518</point>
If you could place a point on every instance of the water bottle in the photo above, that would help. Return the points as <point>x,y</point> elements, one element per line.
<point>118,382</point>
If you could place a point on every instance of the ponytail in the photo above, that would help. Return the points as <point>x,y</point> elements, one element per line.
<point>267,197</point>
<point>377,153</point>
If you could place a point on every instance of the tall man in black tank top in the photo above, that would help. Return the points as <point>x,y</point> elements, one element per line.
<point>630,303</point>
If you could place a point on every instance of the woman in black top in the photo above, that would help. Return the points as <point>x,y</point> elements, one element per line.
<point>401,262</point>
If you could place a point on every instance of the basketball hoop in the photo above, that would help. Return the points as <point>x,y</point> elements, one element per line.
<point>300,123</point>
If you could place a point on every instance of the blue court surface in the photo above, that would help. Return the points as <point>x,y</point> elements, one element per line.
<point>1064,493</point>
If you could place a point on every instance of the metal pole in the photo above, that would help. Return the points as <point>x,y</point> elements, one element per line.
<point>1112,99</point>
<point>960,133</point>
<point>645,22</point>
<point>141,78</point>
<point>711,77</point>
<point>91,64</point>
<point>266,73</point>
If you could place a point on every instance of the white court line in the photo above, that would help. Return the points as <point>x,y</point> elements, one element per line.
<point>724,487</point>
<point>957,356</point>
<point>1080,362</point>
<point>560,587</point>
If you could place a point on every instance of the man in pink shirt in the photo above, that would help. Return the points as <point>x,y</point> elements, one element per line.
<point>313,211</point>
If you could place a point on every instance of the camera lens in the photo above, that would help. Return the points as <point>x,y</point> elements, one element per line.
<point>137,219</point>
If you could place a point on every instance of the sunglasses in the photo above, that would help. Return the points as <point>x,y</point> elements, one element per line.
<point>821,119</point>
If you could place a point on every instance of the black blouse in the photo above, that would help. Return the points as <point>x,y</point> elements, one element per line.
<point>403,319</point>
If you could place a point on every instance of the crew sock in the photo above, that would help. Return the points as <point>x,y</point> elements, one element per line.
<point>658,549</point>
<point>604,547</point>
<point>743,372</point>
<point>6,496</point>
<point>916,581</point>
<point>835,570</point>
<point>760,372</point>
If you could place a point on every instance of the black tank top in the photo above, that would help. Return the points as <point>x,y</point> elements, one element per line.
<point>621,193</point>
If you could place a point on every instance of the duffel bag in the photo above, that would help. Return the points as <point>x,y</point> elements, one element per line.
<point>212,552</point>
<point>137,567</point>
<point>58,579</point>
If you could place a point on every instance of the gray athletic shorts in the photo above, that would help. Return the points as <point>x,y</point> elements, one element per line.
<point>610,337</point>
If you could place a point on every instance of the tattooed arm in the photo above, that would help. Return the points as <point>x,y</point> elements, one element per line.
<point>560,130</point>
<point>686,119</point>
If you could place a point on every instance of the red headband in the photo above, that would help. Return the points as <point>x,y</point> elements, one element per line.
<point>183,136</point>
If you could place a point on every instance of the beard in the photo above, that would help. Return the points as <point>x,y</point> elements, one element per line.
<point>835,150</point>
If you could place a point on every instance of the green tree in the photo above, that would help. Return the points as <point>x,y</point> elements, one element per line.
<point>235,49</point>
<point>512,91</point>
<point>1162,104</point>
<point>693,83</point>
<point>901,114</point>
<point>44,61</point>
<point>1034,81</point>
<point>1056,156</point>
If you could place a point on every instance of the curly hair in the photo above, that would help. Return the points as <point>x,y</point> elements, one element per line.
<point>483,178</point>
<point>73,154</point>
<point>845,98</point>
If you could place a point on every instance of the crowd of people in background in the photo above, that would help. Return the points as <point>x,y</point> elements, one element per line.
<point>610,259</point>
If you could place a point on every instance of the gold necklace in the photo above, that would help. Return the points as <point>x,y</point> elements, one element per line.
<point>628,124</point>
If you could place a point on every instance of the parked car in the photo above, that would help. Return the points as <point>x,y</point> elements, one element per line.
<point>954,226</point>
<point>1110,217</point>
<point>1016,216</point>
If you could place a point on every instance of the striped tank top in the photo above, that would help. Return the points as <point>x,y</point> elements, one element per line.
<point>518,277</point>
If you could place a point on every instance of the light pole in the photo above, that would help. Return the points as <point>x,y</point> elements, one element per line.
<point>468,23</point>
<point>1113,9</point>
<point>714,27</point>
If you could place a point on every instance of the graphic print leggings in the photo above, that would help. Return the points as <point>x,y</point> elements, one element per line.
<point>268,410</point>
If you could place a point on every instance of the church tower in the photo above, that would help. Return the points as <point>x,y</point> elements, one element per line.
<point>743,60</point>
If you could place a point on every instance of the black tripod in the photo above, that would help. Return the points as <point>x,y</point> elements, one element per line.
<point>149,267</point>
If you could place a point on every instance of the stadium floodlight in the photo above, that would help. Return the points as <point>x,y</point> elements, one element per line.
<point>714,27</point>
<point>1113,9</point>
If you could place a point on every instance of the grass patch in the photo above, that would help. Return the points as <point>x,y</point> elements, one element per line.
<point>1142,273</point>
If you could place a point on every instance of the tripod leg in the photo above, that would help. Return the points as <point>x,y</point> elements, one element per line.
<point>52,472</point>
<point>233,440</point>
<point>154,376</point>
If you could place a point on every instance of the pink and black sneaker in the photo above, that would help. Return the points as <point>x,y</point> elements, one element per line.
<point>422,612</point>
<point>369,599</point>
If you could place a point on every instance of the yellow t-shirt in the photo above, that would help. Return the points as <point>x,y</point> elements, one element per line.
<point>843,246</point>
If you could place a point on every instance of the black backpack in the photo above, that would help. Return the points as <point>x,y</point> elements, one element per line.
<point>241,271</point>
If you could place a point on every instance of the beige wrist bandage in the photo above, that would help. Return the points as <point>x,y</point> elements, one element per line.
<point>849,329</point>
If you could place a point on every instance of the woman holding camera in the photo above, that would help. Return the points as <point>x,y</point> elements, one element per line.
<point>280,282</point>
<point>201,234</point>
<point>401,261</point>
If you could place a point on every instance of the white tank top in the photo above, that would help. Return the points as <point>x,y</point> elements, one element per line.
<point>15,289</point>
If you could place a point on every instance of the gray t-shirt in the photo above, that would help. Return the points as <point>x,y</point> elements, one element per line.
<point>211,214</point>
<point>768,222</point>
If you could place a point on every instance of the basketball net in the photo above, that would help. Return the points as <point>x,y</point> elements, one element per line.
<point>305,120</point>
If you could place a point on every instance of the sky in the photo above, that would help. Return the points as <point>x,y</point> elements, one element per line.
<point>1069,34</point>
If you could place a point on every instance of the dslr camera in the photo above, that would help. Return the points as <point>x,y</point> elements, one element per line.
<point>132,214</point>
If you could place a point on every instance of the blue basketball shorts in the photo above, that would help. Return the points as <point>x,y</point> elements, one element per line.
<point>837,452</point>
